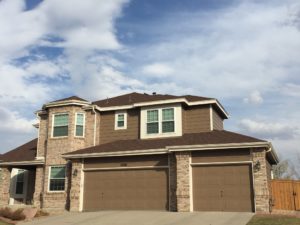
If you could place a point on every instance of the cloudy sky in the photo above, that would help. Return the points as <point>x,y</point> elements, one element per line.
<point>245,53</point>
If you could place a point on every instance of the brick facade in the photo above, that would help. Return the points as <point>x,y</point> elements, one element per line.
<point>183,181</point>
<point>261,186</point>
<point>4,186</point>
<point>51,149</point>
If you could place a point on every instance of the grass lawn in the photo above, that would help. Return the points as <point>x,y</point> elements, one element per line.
<point>3,223</point>
<point>274,220</point>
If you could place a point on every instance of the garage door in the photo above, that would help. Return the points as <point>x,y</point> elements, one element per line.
<point>131,188</point>
<point>223,188</point>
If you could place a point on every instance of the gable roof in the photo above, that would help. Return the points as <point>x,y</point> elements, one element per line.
<point>135,97</point>
<point>25,152</point>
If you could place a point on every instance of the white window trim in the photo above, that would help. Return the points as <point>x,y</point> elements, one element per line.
<point>116,120</point>
<point>53,115</point>
<point>49,177</point>
<point>177,121</point>
<point>83,135</point>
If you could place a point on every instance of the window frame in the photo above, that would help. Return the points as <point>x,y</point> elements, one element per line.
<point>117,113</point>
<point>162,120</point>
<point>49,178</point>
<point>178,119</point>
<point>83,126</point>
<point>157,121</point>
<point>53,118</point>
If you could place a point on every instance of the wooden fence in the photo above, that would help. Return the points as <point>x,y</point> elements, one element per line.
<point>285,194</point>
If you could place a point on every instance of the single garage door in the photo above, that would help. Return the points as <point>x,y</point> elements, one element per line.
<point>131,188</point>
<point>223,188</point>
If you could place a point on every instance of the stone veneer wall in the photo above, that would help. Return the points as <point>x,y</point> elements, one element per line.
<point>183,181</point>
<point>4,186</point>
<point>261,186</point>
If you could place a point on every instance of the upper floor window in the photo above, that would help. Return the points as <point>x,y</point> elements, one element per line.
<point>60,125</point>
<point>79,124</point>
<point>57,178</point>
<point>161,121</point>
<point>168,123</point>
<point>156,125</point>
<point>152,122</point>
<point>120,120</point>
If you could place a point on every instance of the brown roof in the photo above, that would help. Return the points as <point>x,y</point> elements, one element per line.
<point>25,152</point>
<point>70,98</point>
<point>212,137</point>
<point>134,97</point>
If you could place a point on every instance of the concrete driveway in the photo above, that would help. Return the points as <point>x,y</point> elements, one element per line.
<point>145,218</point>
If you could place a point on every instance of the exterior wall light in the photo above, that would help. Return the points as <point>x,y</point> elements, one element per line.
<point>257,166</point>
<point>75,172</point>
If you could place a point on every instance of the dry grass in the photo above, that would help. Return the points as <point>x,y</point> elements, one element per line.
<point>12,214</point>
<point>274,220</point>
<point>41,213</point>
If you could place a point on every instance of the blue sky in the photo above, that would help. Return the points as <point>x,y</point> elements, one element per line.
<point>245,53</point>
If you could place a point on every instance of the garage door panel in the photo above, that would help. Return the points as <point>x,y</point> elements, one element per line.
<point>222,188</point>
<point>126,189</point>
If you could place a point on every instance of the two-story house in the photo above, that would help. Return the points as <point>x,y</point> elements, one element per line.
<point>138,151</point>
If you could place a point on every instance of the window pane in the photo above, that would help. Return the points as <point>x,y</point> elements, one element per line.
<point>120,117</point>
<point>152,128</point>
<point>120,123</point>
<point>152,115</point>
<point>168,126</point>
<point>19,188</point>
<point>57,185</point>
<point>60,131</point>
<point>80,119</point>
<point>20,176</point>
<point>79,130</point>
<point>168,114</point>
<point>61,120</point>
<point>58,172</point>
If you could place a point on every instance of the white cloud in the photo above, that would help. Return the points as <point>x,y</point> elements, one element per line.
<point>254,98</point>
<point>157,70</point>
<point>13,122</point>
<point>270,130</point>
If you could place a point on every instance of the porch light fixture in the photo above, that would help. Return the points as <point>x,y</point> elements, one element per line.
<point>257,166</point>
<point>75,172</point>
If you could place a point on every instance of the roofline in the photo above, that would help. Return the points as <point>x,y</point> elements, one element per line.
<point>118,153</point>
<point>168,101</point>
<point>178,148</point>
<point>66,102</point>
<point>22,163</point>
<point>181,148</point>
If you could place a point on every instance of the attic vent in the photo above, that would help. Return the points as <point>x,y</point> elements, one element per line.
<point>154,93</point>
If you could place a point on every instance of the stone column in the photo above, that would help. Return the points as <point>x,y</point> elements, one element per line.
<point>38,187</point>
<point>183,181</point>
<point>173,183</point>
<point>261,188</point>
<point>76,186</point>
<point>4,186</point>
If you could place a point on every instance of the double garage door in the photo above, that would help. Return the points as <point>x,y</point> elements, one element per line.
<point>123,183</point>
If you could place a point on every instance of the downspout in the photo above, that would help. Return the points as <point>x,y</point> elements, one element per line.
<point>95,124</point>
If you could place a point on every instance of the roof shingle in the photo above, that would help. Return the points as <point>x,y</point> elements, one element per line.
<point>134,97</point>
<point>25,152</point>
<point>212,137</point>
